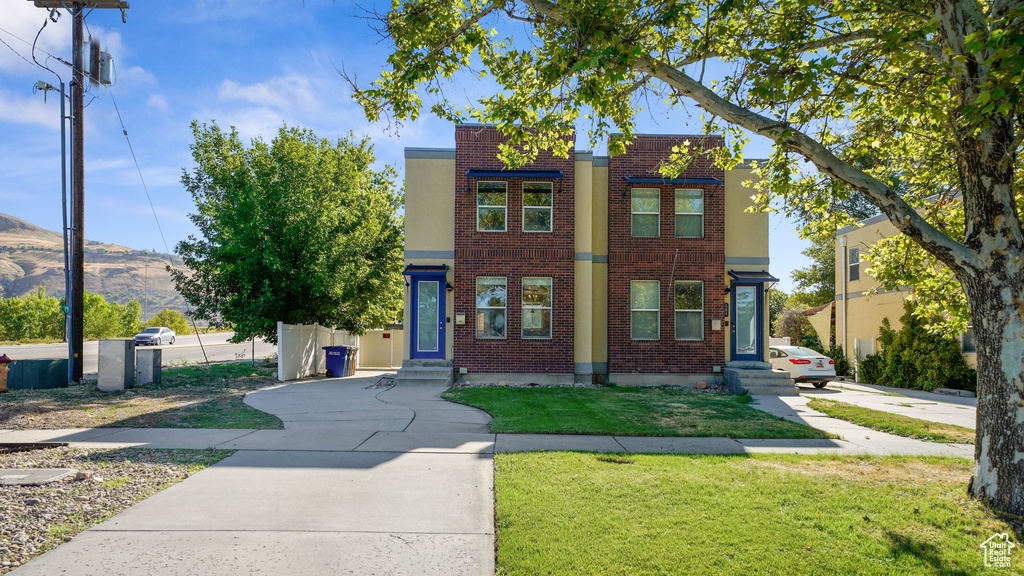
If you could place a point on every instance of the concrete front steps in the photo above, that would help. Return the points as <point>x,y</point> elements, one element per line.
<point>425,373</point>
<point>758,378</point>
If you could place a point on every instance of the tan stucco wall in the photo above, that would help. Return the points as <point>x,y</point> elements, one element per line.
<point>746,233</point>
<point>376,351</point>
<point>430,195</point>
<point>863,238</point>
<point>430,236</point>
<point>599,245</point>
<point>583,339</point>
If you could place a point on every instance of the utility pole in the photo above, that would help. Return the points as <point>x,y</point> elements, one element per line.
<point>77,297</point>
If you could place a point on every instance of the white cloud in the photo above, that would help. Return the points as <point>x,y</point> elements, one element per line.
<point>30,110</point>
<point>158,102</point>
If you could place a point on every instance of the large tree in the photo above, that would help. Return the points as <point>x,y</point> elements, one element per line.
<point>302,231</point>
<point>935,88</point>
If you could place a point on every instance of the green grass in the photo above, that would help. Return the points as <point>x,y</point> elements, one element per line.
<point>626,412</point>
<point>897,424</point>
<point>188,397</point>
<point>577,513</point>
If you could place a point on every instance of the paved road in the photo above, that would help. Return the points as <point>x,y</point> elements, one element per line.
<point>185,349</point>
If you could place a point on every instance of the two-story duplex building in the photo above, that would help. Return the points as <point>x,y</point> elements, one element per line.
<point>587,269</point>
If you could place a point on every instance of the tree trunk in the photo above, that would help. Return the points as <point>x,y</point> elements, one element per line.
<point>997,314</point>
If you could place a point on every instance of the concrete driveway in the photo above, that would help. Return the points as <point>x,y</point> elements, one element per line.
<point>960,411</point>
<point>299,505</point>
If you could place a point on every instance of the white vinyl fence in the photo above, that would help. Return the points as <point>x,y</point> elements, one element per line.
<point>300,349</point>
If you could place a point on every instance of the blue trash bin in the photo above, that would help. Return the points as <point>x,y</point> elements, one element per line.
<point>336,356</point>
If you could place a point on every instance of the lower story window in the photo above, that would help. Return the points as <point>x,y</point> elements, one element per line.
<point>645,314</point>
<point>490,307</point>
<point>689,310</point>
<point>536,307</point>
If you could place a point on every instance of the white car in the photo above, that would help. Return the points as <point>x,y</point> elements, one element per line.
<point>156,336</point>
<point>803,364</point>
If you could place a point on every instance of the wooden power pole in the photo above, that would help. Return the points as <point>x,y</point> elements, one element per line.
<point>76,300</point>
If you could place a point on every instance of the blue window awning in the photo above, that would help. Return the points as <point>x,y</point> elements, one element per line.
<point>650,180</point>
<point>520,173</point>
<point>743,276</point>
<point>417,270</point>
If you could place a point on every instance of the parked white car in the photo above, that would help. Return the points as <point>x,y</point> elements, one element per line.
<point>156,336</point>
<point>803,364</point>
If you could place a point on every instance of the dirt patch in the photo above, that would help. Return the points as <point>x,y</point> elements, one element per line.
<point>869,469</point>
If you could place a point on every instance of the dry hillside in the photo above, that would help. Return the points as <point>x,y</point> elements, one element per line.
<point>31,256</point>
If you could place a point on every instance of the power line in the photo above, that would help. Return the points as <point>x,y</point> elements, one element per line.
<point>143,179</point>
<point>30,63</point>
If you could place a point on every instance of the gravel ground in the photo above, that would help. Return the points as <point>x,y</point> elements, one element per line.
<point>34,519</point>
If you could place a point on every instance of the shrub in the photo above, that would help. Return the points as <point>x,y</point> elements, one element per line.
<point>839,357</point>
<point>917,359</point>
<point>171,319</point>
<point>871,369</point>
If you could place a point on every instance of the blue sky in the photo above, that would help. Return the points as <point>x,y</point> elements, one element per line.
<point>252,64</point>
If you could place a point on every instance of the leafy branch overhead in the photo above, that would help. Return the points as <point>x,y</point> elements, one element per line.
<point>300,230</point>
<point>932,90</point>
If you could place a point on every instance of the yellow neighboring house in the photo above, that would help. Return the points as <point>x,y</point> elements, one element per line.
<point>859,307</point>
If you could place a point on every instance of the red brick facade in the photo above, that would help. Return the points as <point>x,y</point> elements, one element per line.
<point>665,258</point>
<point>512,254</point>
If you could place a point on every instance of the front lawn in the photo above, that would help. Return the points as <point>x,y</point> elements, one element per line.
<point>189,397</point>
<point>578,513</point>
<point>897,424</point>
<point>623,411</point>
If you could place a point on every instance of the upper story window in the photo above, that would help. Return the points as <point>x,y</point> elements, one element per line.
<point>689,213</point>
<point>689,310</point>
<point>537,206</point>
<point>536,307</point>
<point>646,210</point>
<point>491,206</point>
<point>490,307</point>
<point>854,264</point>
<point>645,314</point>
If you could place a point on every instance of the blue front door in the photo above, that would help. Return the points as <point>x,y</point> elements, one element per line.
<point>748,322</point>
<point>428,317</point>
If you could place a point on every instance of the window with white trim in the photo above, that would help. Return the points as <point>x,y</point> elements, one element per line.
<point>689,213</point>
<point>854,264</point>
<point>645,312</point>
<point>689,310</point>
<point>536,307</point>
<point>490,307</point>
<point>491,206</point>
<point>537,200</point>
<point>645,205</point>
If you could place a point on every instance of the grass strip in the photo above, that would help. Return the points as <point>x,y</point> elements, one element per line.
<point>579,513</point>
<point>897,424</point>
<point>625,411</point>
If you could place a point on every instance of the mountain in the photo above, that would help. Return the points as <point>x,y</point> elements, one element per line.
<point>31,256</point>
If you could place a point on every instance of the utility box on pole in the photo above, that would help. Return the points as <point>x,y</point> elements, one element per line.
<point>148,370</point>
<point>117,365</point>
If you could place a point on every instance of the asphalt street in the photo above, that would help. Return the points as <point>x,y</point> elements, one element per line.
<point>186,349</point>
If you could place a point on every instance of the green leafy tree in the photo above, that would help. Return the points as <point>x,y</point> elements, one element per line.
<point>300,230</point>
<point>171,319</point>
<point>104,319</point>
<point>34,316</point>
<point>777,301</point>
<point>934,88</point>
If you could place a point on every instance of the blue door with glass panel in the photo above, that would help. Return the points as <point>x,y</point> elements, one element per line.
<point>747,322</point>
<point>428,317</point>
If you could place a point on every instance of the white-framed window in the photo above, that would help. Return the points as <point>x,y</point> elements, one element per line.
<point>490,307</point>
<point>537,202</point>
<point>689,213</point>
<point>536,307</point>
<point>645,205</point>
<point>491,206</point>
<point>854,264</point>
<point>645,312</point>
<point>689,310</point>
